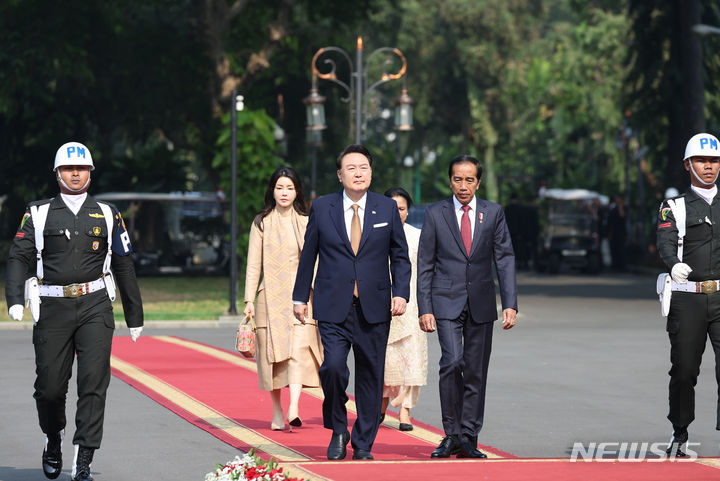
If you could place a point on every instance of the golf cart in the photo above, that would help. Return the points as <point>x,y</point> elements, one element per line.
<point>570,220</point>
<point>175,233</point>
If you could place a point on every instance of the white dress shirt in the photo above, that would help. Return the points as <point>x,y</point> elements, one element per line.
<point>74,202</point>
<point>348,214</point>
<point>706,194</point>
<point>348,211</point>
<point>471,213</point>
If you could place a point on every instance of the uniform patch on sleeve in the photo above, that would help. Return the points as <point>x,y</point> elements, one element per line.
<point>121,239</point>
<point>664,213</point>
<point>666,224</point>
<point>24,219</point>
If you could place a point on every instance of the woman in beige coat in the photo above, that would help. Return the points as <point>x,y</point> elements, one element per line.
<point>289,353</point>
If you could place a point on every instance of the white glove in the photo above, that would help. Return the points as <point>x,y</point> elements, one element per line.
<point>135,333</point>
<point>16,312</point>
<point>680,272</point>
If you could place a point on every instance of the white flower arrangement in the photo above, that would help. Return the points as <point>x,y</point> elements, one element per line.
<point>248,468</point>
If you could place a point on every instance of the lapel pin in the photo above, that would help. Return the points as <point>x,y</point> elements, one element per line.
<point>373,212</point>
<point>480,217</point>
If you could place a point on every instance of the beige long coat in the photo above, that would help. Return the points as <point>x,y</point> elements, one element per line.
<point>288,352</point>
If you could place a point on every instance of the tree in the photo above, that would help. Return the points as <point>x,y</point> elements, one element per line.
<point>217,19</point>
<point>258,160</point>
<point>666,81</point>
<point>145,83</point>
<point>532,89</point>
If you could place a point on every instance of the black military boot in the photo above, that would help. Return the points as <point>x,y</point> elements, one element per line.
<point>52,455</point>
<point>680,437</point>
<point>83,458</point>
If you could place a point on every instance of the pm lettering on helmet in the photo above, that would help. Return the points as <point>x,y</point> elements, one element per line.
<point>708,141</point>
<point>73,153</point>
<point>702,145</point>
<point>79,151</point>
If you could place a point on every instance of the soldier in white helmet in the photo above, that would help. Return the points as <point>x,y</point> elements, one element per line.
<point>693,260</point>
<point>63,263</point>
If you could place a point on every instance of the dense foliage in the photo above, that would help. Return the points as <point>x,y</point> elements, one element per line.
<point>538,90</point>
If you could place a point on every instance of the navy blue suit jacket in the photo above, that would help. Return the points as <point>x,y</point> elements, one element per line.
<point>327,241</point>
<point>448,277</point>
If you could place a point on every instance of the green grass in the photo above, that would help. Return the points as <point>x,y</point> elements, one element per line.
<point>177,298</point>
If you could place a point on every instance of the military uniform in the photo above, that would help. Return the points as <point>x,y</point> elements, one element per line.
<point>77,321</point>
<point>694,313</point>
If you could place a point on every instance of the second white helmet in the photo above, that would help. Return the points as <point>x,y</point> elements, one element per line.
<point>73,153</point>
<point>702,145</point>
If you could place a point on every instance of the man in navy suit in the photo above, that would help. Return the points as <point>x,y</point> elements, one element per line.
<point>352,234</point>
<point>460,239</point>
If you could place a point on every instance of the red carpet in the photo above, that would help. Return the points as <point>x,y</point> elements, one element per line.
<point>217,391</point>
<point>505,470</point>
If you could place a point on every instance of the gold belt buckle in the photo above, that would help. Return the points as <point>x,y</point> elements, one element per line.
<point>73,290</point>
<point>708,287</point>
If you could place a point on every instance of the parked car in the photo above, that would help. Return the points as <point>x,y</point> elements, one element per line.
<point>175,233</point>
<point>570,234</point>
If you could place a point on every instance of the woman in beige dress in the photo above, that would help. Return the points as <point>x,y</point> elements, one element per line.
<point>406,356</point>
<point>289,353</point>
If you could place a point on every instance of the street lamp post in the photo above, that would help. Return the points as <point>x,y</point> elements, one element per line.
<point>315,125</point>
<point>638,157</point>
<point>356,90</point>
<point>622,142</point>
<point>236,106</point>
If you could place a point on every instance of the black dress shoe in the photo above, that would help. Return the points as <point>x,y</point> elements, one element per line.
<point>338,446</point>
<point>406,427</point>
<point>362,454</point>
<point>52,456</point>
<point>448,446</point>
<point>468,449</point>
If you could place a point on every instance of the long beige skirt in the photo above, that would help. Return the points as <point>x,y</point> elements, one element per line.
<point>301,368</point>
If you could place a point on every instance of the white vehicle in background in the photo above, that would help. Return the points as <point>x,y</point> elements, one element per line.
<point>175,233</point>
<point>570,234</point>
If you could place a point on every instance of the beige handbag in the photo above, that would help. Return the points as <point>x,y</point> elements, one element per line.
<point>245,341</point>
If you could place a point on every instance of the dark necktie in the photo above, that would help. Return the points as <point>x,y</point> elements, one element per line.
<point>465,228</point>
<point>355,234</point>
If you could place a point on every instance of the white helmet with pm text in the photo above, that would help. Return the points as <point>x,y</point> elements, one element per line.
<point>702,145</point>
<point>73,153</point>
